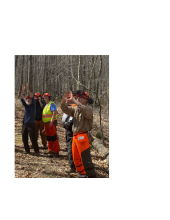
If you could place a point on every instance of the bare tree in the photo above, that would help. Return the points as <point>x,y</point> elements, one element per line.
<point>30,73</point>
<point>21,76</point>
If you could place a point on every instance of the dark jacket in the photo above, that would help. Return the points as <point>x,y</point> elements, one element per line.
<point>38,112</point>
<point>29,114</point>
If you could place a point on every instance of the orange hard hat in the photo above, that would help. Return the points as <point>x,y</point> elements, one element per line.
<point>37,94</point>
<point>28,97</point>
<point>85,95</point>
<point>47,94</point>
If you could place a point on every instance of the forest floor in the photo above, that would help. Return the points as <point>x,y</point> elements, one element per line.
<point>42,166</point>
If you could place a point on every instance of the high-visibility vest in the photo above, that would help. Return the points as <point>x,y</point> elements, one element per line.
<point>47,114</point>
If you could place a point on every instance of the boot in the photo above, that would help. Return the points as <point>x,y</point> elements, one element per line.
<point>56,154</point>
<point>45,146</point>
<point>82,175</point>
<point>70,170</point>
<point>50,153</point>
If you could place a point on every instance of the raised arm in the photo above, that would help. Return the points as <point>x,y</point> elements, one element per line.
<point>69,111</point>
<point>85,110</point>
<point>22,92</point>
<point>41,104</point>
<point>30,93</point>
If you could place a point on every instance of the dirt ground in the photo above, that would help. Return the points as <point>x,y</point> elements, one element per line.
<point>42,166</point>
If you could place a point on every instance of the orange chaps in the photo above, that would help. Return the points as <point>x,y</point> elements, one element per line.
<point>51,134</point>
<point>81,154</point>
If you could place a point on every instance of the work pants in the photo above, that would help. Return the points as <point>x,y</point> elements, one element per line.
<point>69,138</point>
<point>51,135</point>
<point>39,126</point>
<point>29,129</point>
<point>81,154</point>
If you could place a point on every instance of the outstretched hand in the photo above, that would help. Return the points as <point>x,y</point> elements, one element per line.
<point>71,96</point>
<point>27,87</point>
<point>23,87</point>
<point>65,96</point>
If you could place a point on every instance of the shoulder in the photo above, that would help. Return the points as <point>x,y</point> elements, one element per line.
<point>23,101</point>
<point>89,109</point>
<point>53,106</point>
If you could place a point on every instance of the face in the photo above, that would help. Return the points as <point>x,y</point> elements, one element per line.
<point>36,98</point>
<point>82,100</point>
<point>28,101</point>
<point>46,98</point>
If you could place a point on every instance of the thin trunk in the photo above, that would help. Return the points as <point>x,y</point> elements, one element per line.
<point>98,77</point>
<point>30,73</point>
<point>71,66</point>
<point>78,78</point>
<point>92,70</point>
<point>21,76</point>
<point>100,114</point>
<point>16,61</point>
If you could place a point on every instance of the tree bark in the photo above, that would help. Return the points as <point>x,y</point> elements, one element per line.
<point>92,70</point>
<point>30,73</point>
<point>16,61</point>
<point>21,76</point>
<point>101,149</point>
<point>78,78</point>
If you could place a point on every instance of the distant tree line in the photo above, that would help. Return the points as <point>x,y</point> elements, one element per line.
<point>58,73</point>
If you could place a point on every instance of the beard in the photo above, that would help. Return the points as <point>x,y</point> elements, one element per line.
<point>28,103</point>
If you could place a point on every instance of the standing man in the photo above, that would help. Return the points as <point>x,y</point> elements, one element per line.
<point>28,126</point>
<point>82,123</point>
<point>39,124</point>
<point>49,115</point>
<point>67,125</point>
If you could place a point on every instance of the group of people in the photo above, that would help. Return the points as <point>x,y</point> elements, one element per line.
<point>41,116</point>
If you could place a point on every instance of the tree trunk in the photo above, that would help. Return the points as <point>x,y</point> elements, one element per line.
<point>101,149</point>
<point>30,73</point>
<point>21,76</point>
<point>16,60</point>
<point>98,78</point>
<point>92,70</point>
<point>78,78</point>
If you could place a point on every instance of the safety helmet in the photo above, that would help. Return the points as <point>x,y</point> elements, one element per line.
<point>37,94</point>
<point>28,97</point>
<point>46,94</point>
